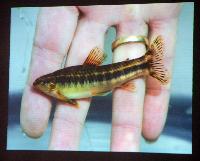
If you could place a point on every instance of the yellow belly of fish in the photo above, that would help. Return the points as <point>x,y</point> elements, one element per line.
<point>75,91</point>
<point>88,90</point>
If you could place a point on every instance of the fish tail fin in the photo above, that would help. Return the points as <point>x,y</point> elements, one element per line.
<point>157,69</point>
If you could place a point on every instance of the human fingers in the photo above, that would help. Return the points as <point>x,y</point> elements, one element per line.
<point>54,32</point>
<point>164,23</point>
<point>128,106</point>
<point>68,121</point>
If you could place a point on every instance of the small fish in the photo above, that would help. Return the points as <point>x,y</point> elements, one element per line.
<point>91,79</point>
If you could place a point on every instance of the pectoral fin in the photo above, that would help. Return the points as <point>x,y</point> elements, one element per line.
<point>95,57</point>
<point>65,99</point>
<point>72,102</point>
<point>103,93</point>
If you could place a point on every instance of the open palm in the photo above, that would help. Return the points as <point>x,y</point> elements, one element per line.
<point>74,31</point>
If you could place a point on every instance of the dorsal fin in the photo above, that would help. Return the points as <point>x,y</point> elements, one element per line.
<point>95,57</point>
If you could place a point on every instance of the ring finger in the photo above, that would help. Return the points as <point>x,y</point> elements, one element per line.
<point>128,106</point>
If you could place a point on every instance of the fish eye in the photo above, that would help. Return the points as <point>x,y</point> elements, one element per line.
<point>52,86</point>
<point>42,83</point>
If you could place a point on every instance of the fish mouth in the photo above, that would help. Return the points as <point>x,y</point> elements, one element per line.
<point>36,82</point>
<point>37,86</point>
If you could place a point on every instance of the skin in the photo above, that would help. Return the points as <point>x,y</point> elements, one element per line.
<point>143,112</point>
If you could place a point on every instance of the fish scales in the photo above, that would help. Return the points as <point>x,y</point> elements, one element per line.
<point>92,74</point>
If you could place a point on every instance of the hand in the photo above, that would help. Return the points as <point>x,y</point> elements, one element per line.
<point>76,30</point>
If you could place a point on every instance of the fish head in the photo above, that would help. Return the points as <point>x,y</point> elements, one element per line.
<point>45,84</point>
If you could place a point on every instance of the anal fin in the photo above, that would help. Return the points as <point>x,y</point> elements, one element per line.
<point>95,57</point>
<point>129,86</point>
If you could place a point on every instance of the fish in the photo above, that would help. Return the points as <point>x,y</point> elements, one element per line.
<point>93,79</point>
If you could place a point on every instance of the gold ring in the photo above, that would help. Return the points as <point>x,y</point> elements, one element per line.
<point>130,39</point>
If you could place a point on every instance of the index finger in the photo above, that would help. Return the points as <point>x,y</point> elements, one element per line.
<point>54,32</point>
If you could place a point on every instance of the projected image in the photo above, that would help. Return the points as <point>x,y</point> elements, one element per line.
<point>101,78</point>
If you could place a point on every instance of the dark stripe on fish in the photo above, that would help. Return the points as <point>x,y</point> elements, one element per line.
<point>89,74</point>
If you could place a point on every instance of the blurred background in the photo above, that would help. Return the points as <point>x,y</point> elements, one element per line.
<point>177,134</point>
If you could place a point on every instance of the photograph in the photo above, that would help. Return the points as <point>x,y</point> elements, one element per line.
<point>101,78</point>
